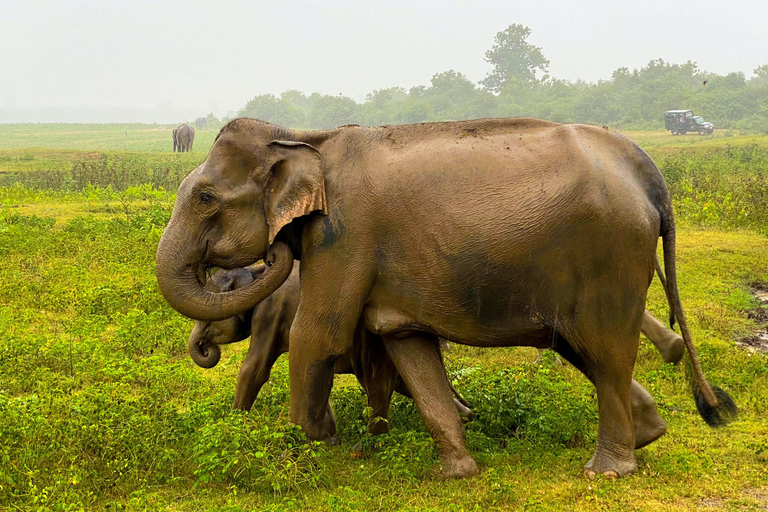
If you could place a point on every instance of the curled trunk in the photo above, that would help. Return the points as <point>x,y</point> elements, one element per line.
<point>182,284</point>
<point>204,355</point>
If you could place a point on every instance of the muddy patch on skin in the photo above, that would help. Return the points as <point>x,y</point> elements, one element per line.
<point>758,342</point>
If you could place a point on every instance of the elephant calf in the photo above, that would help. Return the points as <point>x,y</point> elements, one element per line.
<point>269,324</point>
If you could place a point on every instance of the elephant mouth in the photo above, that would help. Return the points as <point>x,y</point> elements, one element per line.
<point>183,283</point>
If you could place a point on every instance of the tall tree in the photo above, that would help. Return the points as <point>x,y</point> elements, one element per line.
<point>514,59</point>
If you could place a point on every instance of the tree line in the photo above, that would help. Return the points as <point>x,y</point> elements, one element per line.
<point>519,85</point>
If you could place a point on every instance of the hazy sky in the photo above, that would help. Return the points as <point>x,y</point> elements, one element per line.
<point>217,55</point>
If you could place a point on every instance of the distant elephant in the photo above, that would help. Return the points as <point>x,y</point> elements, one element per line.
<point>201,123</point>
<point>493,232</point>
<point>268,326</point>
<point>183,137</point>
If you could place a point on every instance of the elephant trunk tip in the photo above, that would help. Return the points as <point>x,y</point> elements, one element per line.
<point>205,355</point>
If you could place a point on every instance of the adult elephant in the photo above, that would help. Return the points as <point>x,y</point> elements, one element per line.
<point>183,137</point>
<point>495,232</point>
<point>269,323</point>
<point>201,123</point>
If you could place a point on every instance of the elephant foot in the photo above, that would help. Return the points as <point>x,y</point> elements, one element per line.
<point>674,350</point>
<point>378,427</point>
<point>332,440</point>
<point>322,433</point>
<point>458,468</point>
<point>465,412</point>
<point>649,426</point>
<point>611,468</point>
<point>649,429</point>
<point>608,475</point>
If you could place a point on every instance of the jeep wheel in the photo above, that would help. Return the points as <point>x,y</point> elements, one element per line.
<point>675,132</point>
<point>702,132</point>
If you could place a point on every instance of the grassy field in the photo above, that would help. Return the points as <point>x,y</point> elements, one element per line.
<point>99,137</point>
<point>157,137</point>
<point>101,408</point>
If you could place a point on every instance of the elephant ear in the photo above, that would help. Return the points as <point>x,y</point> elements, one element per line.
<point>297,185</point>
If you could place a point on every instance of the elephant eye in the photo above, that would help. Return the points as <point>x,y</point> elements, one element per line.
<point>207,203</point>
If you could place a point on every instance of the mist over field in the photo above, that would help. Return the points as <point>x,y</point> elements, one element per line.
<point>165,62</point>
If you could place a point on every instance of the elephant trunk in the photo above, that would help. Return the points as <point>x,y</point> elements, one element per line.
<point>205,355</point>
<point>204,348</point>
<point>182,283</point>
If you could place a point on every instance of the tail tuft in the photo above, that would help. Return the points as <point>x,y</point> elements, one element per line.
<point>721,414</point>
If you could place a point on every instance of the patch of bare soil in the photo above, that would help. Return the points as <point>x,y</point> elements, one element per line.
<point>713,503</point>
<point>758,342</point>
<point>758,495</point>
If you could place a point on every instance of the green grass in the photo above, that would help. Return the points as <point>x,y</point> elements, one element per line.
<point>101,408</point>
<point>668,143</point>
<point>99,137</point>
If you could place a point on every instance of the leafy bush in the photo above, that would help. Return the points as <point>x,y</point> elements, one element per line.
<point>112,171</point>
<point>256,455</point>
<point>533,402</point>
<point>724,188</point>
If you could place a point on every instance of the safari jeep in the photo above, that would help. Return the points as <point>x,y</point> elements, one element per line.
<point>683,121</point>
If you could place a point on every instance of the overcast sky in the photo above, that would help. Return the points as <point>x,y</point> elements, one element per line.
<point>215,56</point>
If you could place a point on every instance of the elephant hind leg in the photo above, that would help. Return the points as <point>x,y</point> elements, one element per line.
<point>417,358</point>
<point>648,425</point>
<point>254,373</point>
<point>628,417</point>
<point>668,342</point>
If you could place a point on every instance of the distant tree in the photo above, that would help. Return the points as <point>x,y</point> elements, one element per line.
<point>514,59</point>
<point>274,110</point>
<point>331,111</point>
<point>415,110</point>
<point>454,97</point>
<point>212,121</point>
<point>382,106</point>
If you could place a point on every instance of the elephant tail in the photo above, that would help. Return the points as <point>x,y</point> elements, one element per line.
<point>663,279</point>
<point>715,405</point>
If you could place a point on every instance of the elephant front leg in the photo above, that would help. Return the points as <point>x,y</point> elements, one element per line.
<point>417,358</point>
<point>254,373</point>
<point>311,362</point>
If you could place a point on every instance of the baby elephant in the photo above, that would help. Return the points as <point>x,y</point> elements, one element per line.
<point>268,326</point>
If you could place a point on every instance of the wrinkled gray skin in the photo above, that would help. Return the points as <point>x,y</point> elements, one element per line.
<point>269,325</point>
<point>667,342</point>
<point>493,232</point>
<point>183,137</point>
<point>201,123</point>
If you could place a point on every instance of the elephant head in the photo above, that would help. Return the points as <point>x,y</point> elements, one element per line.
<point>206,337</point>
<point>237,207</point>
